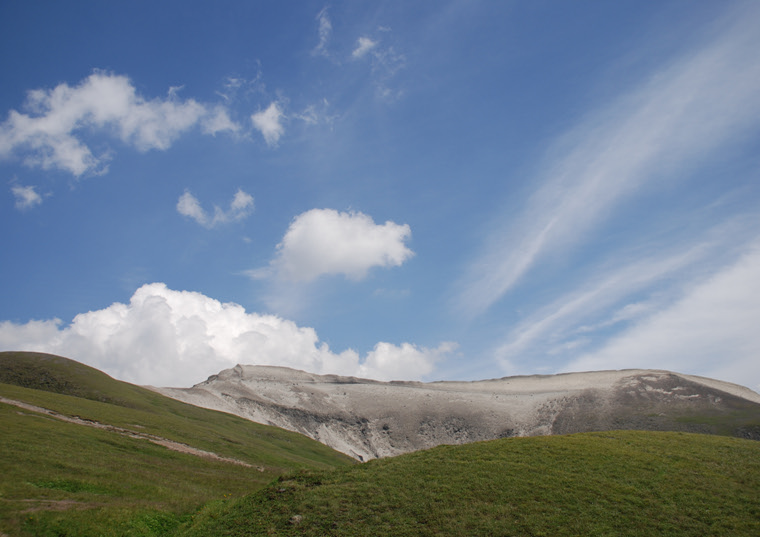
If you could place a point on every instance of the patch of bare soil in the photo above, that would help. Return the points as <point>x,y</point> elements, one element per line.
<point>53,505</point>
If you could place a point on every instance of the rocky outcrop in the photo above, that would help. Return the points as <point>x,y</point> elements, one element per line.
<point>368,419</point>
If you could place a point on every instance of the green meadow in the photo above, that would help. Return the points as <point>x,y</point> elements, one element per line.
<point>60,478</point>
<point>625,483</point>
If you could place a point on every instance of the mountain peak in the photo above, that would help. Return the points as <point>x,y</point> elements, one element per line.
<point>368,419</point>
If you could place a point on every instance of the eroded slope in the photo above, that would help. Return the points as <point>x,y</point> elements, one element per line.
<point>368,419</point>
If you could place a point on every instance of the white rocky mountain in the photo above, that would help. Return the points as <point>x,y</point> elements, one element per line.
<point>368,419</point>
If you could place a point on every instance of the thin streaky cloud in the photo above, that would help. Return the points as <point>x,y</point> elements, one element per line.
<point>620,294</point>
<point>712,330</point>
<point>325,31</point>
<point>685,110</point>
<point>608,289</point>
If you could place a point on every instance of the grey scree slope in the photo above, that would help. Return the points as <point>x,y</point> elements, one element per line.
<point>367,419</point>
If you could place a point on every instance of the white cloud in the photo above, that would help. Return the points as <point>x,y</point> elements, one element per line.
<point>712,331</point>
<point>178,338</point>
<point>386,62</point>
<point>50,135</point>
<point>391,362</point>
<point>325,30</point>
<point>26,197</point>
<point>219,120</point>
<point>30,336</point>
<point>315,113</point>
<point>363,46</point>
<point>619,294</point>
<point>629,312</point>
<point>188,205</point>
<point>682,112</point>
<point>325,241</point>
<point>268,122</point>
<point>556,325</point>
<point>241,206</point>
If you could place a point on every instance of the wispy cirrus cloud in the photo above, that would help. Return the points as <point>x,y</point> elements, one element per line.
<point>324,31</point>
<point>683,111</point>
<point>619,293</point>
<point>240,207</point>
<point>52,132</point>
<point>711,330</point>
<point>385,60</point>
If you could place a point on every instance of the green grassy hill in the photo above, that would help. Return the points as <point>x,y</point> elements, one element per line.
<point>621,483</point>
<point>64,478</point>
<point>70,478</point>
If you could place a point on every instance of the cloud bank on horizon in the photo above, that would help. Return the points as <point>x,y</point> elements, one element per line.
<point>167,337</point>
<point>601,212</point>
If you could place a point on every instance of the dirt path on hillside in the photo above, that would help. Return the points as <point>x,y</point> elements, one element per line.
<point>168,444</point>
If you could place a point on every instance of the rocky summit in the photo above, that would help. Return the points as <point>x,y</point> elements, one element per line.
<point>368,419</point>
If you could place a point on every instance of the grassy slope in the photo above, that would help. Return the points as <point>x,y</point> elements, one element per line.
<point>60,478</point>
<point>611,483</point>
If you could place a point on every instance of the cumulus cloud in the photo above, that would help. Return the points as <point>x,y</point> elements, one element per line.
<point>363,46</point>
<point>269,123</point>
<point>178,338</point>
<point>325,241</point>
<point>50,134</point>
<point>711,331</point>
<point>240,207</point>
<point>26,197</point>
<point>387,361</point>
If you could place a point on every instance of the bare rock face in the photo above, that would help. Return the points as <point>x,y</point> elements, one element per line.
<point>367,419</point>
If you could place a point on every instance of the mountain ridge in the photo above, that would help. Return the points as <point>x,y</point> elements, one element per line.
<point>369,419</point>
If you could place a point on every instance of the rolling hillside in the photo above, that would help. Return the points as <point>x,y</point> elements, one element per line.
<point>622,483</point>
<point>84,454</point>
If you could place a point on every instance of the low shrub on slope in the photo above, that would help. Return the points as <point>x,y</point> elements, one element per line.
<point>612,483</point>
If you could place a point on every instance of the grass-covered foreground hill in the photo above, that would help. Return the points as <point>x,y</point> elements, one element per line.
<point>617,483</point>
<point>84,454</point>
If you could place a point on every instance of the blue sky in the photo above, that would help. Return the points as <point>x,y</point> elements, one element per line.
<point>397,190</point>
